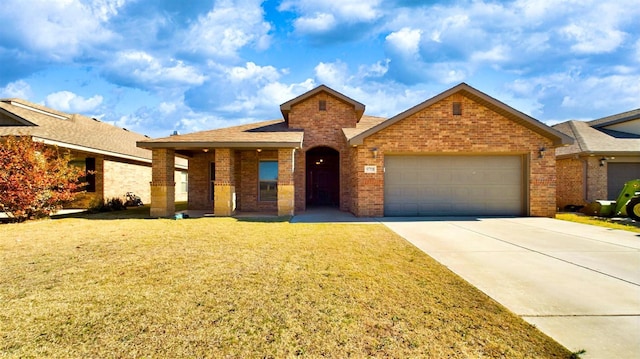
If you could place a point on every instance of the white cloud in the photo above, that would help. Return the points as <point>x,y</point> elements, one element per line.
<point>448,72</point>
<point>316,23</point>
<point>376,70</point>
<point>319,16</point>
<point>332,74</point>
<point>253,73</point>
<point>70,102</point>
<point>229,27</point>
<point>582,95</point>
<point>167,108</point>
<point>148,71</point>
<point>593,38</point>
<point>18,89</point>
<point>279,93</point>
<point>405,42</point>
<point>496,54</point>
<point>59,29</point>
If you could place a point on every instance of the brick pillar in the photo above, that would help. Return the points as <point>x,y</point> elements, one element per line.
<point>163,184</point>
<point>286,188</point>
<point>224,203</point>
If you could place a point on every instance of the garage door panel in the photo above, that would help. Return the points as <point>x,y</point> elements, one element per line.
<point>618,174</point>
<point>453,185</point>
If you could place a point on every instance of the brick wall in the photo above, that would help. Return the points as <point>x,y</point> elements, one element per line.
<point>596,180</point>
<point>225,202</point>
<point>122,177</point>
<point>248,181</point>
<point>436,130</point>
<point>322,128</point>
<point>286,190</point>
<point>581,181</point>
<point>162,183</point>
<point>200,181</point>
<point>571,185</point>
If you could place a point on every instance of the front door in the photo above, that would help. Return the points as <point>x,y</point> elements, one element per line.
<point>323,177</point>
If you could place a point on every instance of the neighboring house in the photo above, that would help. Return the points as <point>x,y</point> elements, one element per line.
<point>108,152</point>
<point>461,152</point>
<point>605,155</point>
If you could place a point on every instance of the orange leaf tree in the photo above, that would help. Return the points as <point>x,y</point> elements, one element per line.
<point>35,179</point>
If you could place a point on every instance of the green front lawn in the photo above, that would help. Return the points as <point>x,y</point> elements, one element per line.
<point>220,287</point>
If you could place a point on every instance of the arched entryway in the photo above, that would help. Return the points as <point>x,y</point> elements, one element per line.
<point>323,177</point>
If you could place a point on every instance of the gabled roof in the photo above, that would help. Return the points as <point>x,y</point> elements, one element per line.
<point>268,134</point>
<point>595,138</point>
<point>285,108</point>
<point>557,137</point>
<point>616,119</point>
<point>71,131</point>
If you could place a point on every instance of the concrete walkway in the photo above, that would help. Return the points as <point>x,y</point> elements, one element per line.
<point>577,283</point>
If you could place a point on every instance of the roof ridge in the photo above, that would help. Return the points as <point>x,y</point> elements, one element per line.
<point>616,118</point>
<point>576,134</point>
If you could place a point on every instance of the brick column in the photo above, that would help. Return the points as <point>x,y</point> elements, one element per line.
<point>224,199</point>
<point>163,184</point>
<point>286,188</point>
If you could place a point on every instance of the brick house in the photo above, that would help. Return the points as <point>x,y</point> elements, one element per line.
<point>605,155</point>
<point>461,152</point>
<point>109,152</point>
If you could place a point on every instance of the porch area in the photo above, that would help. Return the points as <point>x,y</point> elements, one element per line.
<point>227,182</point>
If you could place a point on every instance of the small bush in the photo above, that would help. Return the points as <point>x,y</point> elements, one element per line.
<point>110,205</point>
<point>35,179</point>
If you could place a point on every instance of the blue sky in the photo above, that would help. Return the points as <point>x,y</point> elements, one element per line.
<point>155,66</point>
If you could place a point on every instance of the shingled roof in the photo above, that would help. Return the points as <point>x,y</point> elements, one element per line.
<point>23,118</point>
<point>265,134</point>
<point>593,137</point>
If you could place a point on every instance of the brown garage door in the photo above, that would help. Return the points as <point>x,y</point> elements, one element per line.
<point>453,186</point>
<point>618,174</point>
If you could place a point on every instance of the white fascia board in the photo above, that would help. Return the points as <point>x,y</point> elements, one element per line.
<point>102,152</point>
<point>18,104</point>
<point>90,150</point>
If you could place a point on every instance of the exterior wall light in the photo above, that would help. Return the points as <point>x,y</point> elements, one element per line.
<point>374,151</point>
<point>602,161</point>
<point>541,152</point>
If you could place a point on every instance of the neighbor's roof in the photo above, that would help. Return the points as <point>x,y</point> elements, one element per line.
<point>267,134</point>
<point>616,119</point>
<point>593,138</point>
<point>23,118</point>
<point>557,137</point>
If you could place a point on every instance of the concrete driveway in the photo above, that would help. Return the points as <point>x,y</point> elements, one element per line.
<point>577,283</point>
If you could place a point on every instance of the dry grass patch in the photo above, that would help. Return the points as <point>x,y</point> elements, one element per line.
<point>225,288</point>
<point>624,224</point>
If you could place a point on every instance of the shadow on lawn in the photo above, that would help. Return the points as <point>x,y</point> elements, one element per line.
<point>129,213</point>
<point>142,212</point>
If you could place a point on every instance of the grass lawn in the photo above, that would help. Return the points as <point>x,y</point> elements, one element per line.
<point>627,225</point>
<point>220,287</point>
